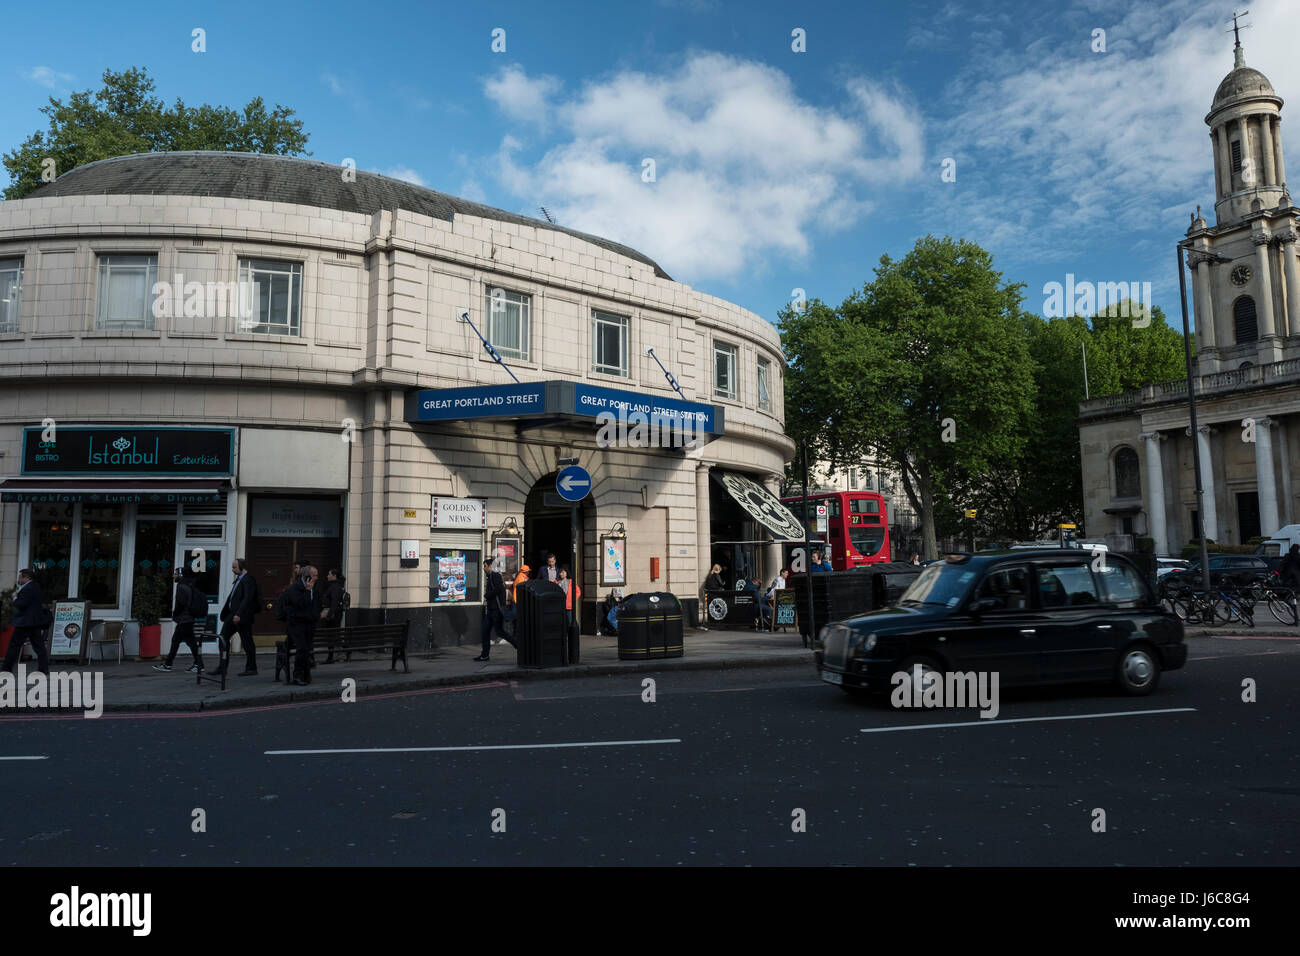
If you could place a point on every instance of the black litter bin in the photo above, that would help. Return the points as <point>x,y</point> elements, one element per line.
<point>649,627</point>
<point>889,580</point>
<point>541,630</point>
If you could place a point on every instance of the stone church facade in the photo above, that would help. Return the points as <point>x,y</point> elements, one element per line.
<point>1136,447</point>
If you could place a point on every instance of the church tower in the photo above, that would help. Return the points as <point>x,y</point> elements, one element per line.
<point>1245,274</point>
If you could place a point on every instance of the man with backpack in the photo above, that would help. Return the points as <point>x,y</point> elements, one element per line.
<point>191,605</point>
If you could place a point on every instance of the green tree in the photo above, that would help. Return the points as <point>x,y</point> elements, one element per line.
<point>123,117</point>
<point>927,364</point>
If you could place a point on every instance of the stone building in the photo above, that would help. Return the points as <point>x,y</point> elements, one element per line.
<point>1245,289</point>
<point>348,413</point>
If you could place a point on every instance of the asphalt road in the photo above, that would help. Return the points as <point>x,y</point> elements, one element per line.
<point>710,773</point>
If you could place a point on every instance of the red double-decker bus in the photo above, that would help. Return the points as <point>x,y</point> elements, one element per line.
<point>857,527</point>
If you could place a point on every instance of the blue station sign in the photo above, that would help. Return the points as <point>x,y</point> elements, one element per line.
<point>490,401</point>
<point>574,402</point>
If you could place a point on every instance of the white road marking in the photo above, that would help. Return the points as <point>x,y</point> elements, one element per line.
<point>423,750</point>
<point>24,758</point>
<point>1026,720</point>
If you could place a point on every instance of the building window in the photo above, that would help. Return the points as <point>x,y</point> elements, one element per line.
<point>277,296</point>
<point>1236,156</point>
<point>1128,483</point>
<point>11,293</point>
<point>1243,320</point>
<point>867,481</point>
<point>853,479</point>
<point>765,385</point>
<point>126,292</point>
<point>509,322</point>
<point>724,371</point>
<point>609,343</point>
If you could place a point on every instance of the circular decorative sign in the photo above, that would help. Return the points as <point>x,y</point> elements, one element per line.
<point>763,507</point>
<point>717,609</point>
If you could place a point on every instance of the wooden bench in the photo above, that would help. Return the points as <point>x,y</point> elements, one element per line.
<point>349,640</point>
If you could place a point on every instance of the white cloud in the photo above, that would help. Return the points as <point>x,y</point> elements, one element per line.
<point>404,173</point>
<point>521,97</point>
<point>1067,150</point>
<point>345,89</point>
<point>744,167</point>
<point>49,78</point>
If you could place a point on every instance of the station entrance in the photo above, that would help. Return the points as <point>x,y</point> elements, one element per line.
<point>546,527</point>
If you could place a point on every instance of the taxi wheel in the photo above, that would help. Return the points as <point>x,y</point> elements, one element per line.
<point>929,667</point>
<point>1139,671</point>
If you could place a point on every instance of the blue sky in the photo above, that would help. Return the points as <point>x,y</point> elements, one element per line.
<point>774,169</point>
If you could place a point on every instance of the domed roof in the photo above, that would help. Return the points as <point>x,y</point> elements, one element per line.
<point>1243,81</point>
<point>288,179</point>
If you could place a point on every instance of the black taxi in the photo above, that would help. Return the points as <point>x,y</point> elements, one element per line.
<point>1034,617</point>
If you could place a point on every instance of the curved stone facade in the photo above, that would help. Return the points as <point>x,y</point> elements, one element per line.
<point>361,309</point>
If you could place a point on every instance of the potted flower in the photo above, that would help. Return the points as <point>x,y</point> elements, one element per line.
<point>6,618</point>
<point>147,604</point>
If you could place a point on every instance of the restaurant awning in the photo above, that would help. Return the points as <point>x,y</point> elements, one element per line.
<point>113,491</point>
<point>761,505</point>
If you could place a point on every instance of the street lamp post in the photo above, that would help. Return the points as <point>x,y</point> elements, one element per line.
<point>1191,409</point>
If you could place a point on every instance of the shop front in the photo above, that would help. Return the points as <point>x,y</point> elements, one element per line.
<point>104,510</point>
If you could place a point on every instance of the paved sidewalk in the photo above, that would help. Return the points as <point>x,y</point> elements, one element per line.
<point>135,686</point>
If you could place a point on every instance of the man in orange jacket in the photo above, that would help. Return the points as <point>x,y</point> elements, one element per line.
<point>520,578</point>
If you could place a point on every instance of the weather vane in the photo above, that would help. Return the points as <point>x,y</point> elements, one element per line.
<point>1236,29</point>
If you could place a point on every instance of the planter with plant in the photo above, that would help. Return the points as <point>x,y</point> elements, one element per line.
<point>148,602</point>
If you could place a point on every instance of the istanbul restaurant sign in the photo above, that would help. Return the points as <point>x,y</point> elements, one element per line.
<point>110,452</point>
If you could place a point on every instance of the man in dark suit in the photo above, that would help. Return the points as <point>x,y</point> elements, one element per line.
<point>303,602</point>
<point>29,623</point>
<point>237,615</point>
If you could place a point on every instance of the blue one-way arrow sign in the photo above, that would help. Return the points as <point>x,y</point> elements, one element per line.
<point>573,483</point>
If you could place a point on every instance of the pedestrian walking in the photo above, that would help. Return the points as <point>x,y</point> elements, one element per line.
<point>29,623</point>
<point>189,604</point>
<point>494,609</point>
<point>303,610</point>
<point>520,578</point>
<point>551,572</point>
<point>237,616</point>
<point>818,564</point>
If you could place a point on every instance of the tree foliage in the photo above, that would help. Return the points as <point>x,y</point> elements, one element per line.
<point>938,339</point>
<point>124,117</point>
<point>929,368</point>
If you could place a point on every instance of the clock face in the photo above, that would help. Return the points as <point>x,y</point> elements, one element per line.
<point>1241,275</point>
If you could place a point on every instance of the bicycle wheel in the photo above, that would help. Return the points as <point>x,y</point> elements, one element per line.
<point>1282,607</point>
<point>1223,609</point>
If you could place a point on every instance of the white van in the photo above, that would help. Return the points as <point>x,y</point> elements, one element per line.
<point>1279,544</point>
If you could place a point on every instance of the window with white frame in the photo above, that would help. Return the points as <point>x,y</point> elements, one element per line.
<point>276,296</point>
<point>764,385</point>
<point>509,315</point>
<point>609,347</point>
<point>11,293</point>
<point>126,292</point>
<point>724,371</point>
<point>853,479</point>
